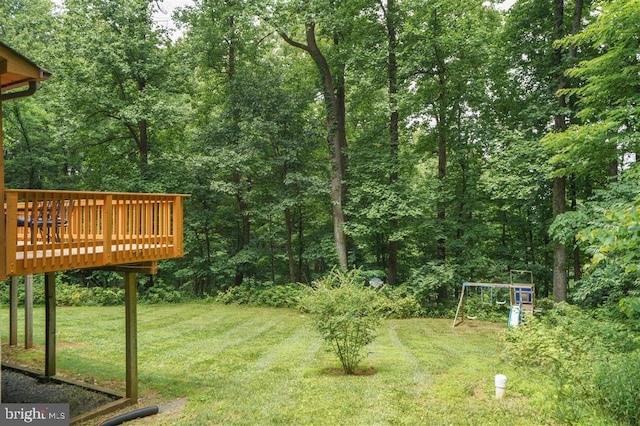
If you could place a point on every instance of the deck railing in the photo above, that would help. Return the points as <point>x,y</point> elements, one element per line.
<point>49,231</point>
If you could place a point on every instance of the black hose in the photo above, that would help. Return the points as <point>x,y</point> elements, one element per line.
<point>131,415</point>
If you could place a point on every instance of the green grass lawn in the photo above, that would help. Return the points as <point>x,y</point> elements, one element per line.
<point>244,365</point>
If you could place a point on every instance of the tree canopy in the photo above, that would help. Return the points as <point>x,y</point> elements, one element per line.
<point>426,142</point>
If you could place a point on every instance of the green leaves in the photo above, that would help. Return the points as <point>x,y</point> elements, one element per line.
<point>606,93</point>
<point>346,314</point>
<point>586,150</point>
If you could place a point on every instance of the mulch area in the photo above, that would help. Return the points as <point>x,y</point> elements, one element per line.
<point>18,387</point>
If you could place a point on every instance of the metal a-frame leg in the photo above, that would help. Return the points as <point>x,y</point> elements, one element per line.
<point>460,306</point>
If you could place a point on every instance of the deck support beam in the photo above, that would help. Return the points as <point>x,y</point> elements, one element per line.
<point>28,311</point>
<point>50,324</point>
<point>3,231</point>
<point>13,312</point>
<point>131,324</point>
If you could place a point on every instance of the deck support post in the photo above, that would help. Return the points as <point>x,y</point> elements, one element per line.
<point>131,302</point>
<point>50,324</point>
<point>28,311</point>
<point>3,231</point>
<point>13,311</point>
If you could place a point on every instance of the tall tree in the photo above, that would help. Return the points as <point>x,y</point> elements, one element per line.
<point>560,123</point>
<point>32,160</point>
<point>448,76</point>
<point>254,150</point>
<point>218,30</point>
<point>118,83</point>
<point>606,130</point>
<point>391,16</point>
<point>331,70</point>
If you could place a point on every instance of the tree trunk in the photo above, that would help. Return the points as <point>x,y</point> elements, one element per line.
<point>143,133</point>
<point>560,281</point>
<point>334,98</point>
<point>238,179</point>
<point>34,179</point>
<point>300,246</point>
<point>559,182</point>
<point>289,244</point>
<point>394,134</point>
<point>441,130</point>
<point>143,127</point>
<point>559,250</point>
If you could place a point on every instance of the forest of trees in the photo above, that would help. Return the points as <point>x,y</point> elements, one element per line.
<point>428,142</point>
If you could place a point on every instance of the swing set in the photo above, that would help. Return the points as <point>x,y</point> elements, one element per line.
<point>521,298</point>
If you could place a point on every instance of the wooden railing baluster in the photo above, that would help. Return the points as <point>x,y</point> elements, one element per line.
<point>49,231</point>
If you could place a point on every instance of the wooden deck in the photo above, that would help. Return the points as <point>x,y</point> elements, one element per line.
<point>49,231</point>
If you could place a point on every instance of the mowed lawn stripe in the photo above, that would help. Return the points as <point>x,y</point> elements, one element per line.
<point>248,366</point>
<point>214,355</point>
<point>270,386</point>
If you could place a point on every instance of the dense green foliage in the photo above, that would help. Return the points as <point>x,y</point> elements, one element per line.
<point>263,294</point>
<point>591,360</point>
<point>346,313</point>
<point>78,295</point>
<point>461,121</point>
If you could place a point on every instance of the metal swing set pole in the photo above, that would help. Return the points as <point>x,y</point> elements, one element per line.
<point>460,305</point>
<point>464,288</point>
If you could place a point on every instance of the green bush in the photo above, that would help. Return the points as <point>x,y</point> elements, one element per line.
<point>73,295</point>
<point>346,314</point>
<point>76,295</point>
<point>38,291</point>
<point>263,294</point>
<point>431,283</point>
<point>70,294</point>
<point>160,293</point>
<point>617,384</point>
<point>576,347</point>
<point>279,296</point>
<point>106,296</point>
<point>399,303</point>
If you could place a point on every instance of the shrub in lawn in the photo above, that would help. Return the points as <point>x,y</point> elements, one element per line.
<point>346,313</point>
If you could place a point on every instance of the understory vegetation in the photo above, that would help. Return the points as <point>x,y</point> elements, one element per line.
<point>591,358</point>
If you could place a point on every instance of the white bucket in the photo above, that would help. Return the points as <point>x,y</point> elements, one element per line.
<point>501,385</point>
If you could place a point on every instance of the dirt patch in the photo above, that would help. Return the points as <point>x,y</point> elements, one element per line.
<point>358,372</point>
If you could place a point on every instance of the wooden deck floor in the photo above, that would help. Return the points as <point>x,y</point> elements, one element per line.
<point>88,251</point>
